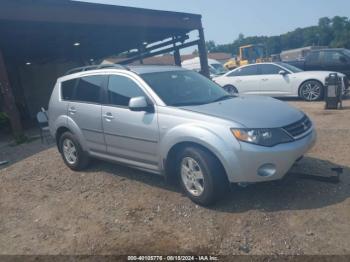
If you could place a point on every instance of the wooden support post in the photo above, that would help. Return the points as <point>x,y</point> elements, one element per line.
<point>10,107</point>
<point>177,57</point>
<point>203,54</point>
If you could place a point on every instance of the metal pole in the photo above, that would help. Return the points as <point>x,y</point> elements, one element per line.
<point>141,51</point>
<point>177,57</point>
<point>203,54</point>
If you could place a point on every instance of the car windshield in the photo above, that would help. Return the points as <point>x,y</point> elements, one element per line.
<point>220,69</point>
<point>184,88</point>
<point>291,68</point>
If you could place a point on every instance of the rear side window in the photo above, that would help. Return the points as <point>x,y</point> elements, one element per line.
<point>245,71</point>
<point>67,89</point>
<point>313,57</point>
<point>89,89</point>
<point>121,89</point>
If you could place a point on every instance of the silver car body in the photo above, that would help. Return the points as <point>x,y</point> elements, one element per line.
<point>144,139</point>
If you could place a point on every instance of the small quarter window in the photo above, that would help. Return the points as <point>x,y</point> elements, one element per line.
<point>67,89</point>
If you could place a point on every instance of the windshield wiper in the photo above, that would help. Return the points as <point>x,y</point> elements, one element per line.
<point>221,98</point>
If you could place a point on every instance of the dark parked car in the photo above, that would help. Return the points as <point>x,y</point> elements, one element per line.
<point>331,59</point>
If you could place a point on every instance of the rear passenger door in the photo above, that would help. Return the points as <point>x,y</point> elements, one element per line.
<point>246,79</point>
<point>131,136</point>
<point>85,110</point>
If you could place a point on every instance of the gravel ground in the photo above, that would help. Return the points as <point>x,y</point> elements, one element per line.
<point>45,208</point>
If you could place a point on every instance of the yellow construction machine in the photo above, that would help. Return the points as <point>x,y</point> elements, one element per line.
<point>248,54</point>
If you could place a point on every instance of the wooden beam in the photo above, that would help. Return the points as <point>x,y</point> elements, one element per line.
<point>10,107</point>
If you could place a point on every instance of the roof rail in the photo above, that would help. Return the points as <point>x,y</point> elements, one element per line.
<point>95,67</point>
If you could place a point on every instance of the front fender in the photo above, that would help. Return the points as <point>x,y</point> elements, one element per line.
<point>219,143</point>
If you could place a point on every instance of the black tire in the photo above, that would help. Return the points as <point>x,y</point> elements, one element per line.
<point>311,85</point>
<point>82,158</point>
<point>231,89</point>
<point>215,182</point>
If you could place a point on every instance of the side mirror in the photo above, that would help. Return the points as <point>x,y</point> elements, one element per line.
<point>140,103</point>
<point>282,72</point>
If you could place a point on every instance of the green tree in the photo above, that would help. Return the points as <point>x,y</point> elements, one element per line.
<point>210,45</point>
<point>333,32</point>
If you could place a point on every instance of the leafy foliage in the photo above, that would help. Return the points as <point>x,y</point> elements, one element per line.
<point>332,32</point>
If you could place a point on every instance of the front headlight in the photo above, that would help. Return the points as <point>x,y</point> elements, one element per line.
<point>262,136</point>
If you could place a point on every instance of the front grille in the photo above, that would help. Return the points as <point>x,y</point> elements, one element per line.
<point>299,128</point>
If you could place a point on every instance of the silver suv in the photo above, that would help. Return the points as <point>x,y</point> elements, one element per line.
<point>177,123</point>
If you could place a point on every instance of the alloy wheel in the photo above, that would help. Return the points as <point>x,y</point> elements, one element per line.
<point>192,176</point>
<point>311,91</point>
<point>69,151</point>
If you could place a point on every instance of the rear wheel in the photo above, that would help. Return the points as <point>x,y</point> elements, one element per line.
<point>201,175</point>
<point>73,155</point>
<point>311,90</point>
<point>231,89</point>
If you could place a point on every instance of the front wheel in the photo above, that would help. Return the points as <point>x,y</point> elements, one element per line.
<point>311,90</point>
<point>201,175</point>
<point>231,89</point>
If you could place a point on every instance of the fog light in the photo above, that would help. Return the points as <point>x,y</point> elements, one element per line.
<point>267,170</point>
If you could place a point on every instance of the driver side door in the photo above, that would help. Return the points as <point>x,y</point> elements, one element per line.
<point>272,83</point>
<point>131,136</point>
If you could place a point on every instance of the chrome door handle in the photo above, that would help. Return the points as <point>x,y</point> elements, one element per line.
<point>108,116</point>
<point>72,110</point>
<point>264,79</point>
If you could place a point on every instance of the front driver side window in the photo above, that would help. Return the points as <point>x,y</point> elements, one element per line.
<point>269,69</point>
<point>333,57</point>
<point>121,89</point>
<point>245,71</point>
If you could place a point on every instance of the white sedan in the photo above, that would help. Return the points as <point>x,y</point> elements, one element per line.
<point>277,80</point>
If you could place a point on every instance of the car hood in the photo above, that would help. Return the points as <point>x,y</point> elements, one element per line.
<point>251,111</point>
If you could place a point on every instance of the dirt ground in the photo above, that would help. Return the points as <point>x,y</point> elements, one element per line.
<point>45,208</point>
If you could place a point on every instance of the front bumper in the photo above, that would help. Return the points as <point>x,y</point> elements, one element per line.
<point>244,166</point>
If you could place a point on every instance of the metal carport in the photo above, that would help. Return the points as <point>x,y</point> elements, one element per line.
<point>41,32</point>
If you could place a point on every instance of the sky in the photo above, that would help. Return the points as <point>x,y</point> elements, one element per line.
<point>224,20</point>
